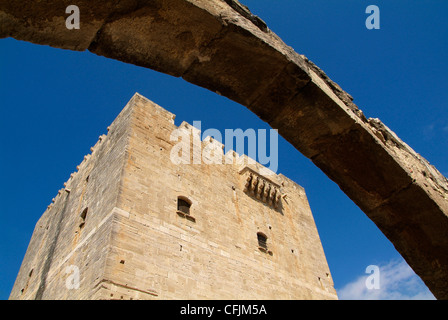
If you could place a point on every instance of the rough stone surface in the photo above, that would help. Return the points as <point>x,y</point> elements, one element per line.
<point>134,244</point>
<point>219,45</point>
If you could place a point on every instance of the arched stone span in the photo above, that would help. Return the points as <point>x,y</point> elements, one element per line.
<point>221,46</point>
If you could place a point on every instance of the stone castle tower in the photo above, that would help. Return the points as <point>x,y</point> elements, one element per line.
<point>131,224</point>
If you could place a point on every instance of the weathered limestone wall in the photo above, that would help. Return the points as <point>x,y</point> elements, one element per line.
<point>158,254</point>
<point>59,242</point>
<point>135,245</point>
<point>219,45</point>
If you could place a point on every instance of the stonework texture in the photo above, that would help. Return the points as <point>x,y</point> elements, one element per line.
<point>117,221</point>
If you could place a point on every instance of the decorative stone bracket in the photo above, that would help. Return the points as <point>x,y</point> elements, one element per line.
<point>261,188</point>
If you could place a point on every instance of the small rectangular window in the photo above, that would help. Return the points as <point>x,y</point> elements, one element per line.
<point>83,216</point>
<point>262,241</point>
<point>183,206</point>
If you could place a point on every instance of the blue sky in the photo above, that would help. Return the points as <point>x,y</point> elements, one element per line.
<point>55,103</point>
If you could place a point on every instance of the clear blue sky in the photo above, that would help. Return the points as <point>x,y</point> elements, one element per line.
<point>55,103</point>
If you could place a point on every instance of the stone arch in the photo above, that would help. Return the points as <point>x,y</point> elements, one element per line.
<point>221,46</point>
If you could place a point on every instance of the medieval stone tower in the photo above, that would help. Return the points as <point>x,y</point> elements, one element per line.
<point>131,224</point>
